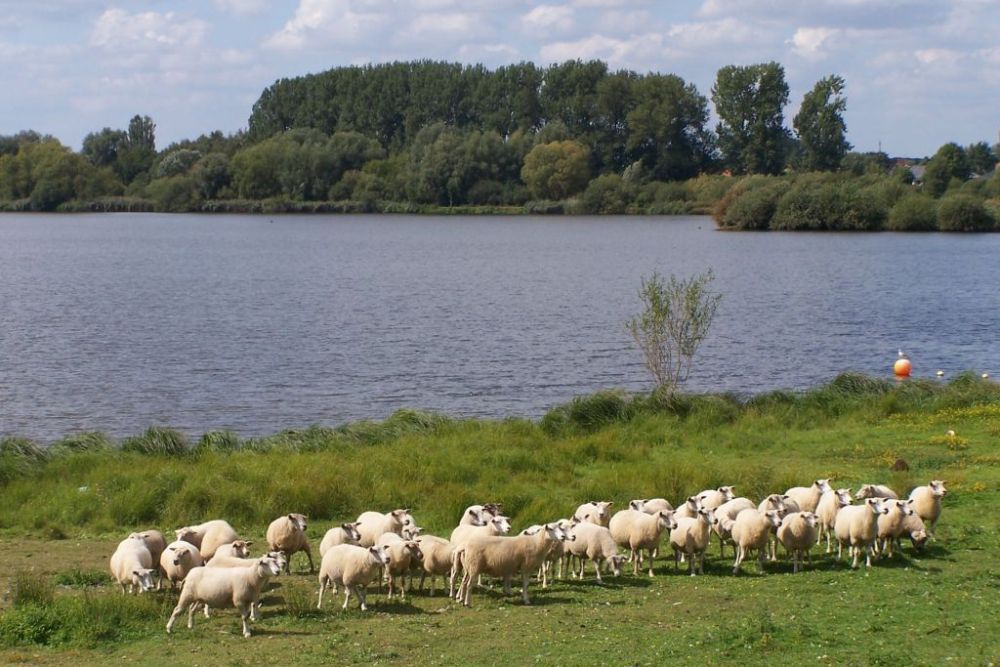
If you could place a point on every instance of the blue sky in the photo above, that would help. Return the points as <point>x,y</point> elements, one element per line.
<point>919,72</point>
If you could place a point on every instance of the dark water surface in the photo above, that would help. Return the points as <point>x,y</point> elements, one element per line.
<point>256,323</point>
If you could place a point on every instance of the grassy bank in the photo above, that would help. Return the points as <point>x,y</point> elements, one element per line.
<point>63,507</point>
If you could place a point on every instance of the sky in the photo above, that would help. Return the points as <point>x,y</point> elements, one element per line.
<point>919,73</point>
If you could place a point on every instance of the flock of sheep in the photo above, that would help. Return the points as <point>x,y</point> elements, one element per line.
<point>213,565</point>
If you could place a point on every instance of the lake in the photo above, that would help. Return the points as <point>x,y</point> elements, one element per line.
<point>261,323</point>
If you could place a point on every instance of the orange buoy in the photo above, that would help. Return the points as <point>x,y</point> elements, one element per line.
<point>902,367</point>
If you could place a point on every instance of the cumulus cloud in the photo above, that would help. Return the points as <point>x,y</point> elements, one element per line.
<point>117,29</point>
<point>637,52</point>
<point>241,6</point>
<point>809,42</point>
<point>545,19</point>
<point>834,13</point>
<point>342,20</point>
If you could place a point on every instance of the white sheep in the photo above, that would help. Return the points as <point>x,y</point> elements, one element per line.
<point>345,533</point>
<point>691,537</point>
<point>892,525</point>
<point>726,513</point>
<point>782,504</point>
<point>478,515</point>
<point>557,554</point>
<point>596,512</point>
<point>798,534</point>
<point>651,505</point>
<point>808,497</point>
<point>352,567</point>
<point>234,549</point>
<point>132,565</point>
<point>594,543</point>
<point>927,503</point>
<point>751,530</point>
<point>438,553</point>
<point>372,525</point>
<point>505,557</point>
<point>826,513</point>
<point>156,543</point>
<point>913,526</point>
<point>498,525</point>
<point>178,559</point>
<point>712,498</point>
<point>403,554</point>
<point>688,509</point>
<point>857,526</point>
<point>288,534</point>
<point>638,530</point>
<point>221,587</point>
<point>208,536</point>
<point>876,491</point>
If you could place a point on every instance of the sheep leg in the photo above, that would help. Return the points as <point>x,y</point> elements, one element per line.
<point>740,554</point>
<point>173,616</point>
<point>191,609</point>
<point>761,560</point>
<point>691,563</point>
<point>524,587</point>
<point>245,611</point>
<point>322,587</point>
<point>465,591</point>
<point>310,557</point>
<point>597,570</point>
<point>651,563</point>
<point>362,594</point>
<point>347,596</point>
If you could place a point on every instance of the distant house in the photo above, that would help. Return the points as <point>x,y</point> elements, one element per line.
<point>918,172</point>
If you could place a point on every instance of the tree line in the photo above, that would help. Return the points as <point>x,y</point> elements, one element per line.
<point>411,136</point>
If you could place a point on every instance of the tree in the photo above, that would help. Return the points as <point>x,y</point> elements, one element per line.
<point>101,148</point>
<point>556,170</point>
<point>139,150</point>
<point>820,125</point>
<point>749,102</point>
<point>981,158</point>
<point>677,314</point>
<point>949,162</point>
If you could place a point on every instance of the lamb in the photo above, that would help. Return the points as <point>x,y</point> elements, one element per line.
<point>857,526</point>
<point>638,531</point>
<point>876,491</point>
<point>595,511</point>
<point>712,498</point>
<point>288,534</point>
<point>826,512</point>
<point>751,530</point>
<point>235,549</point>
<point>691,537</point>
<point>808,497</point>
<point>593,542</point>
<point>726,513</point>
<point>208,536</point>
<point>221,587</point>
<point>927,503</point>
<point>345,533</point>
<point>505,557</point>
<point>372,525</point>
<point>651,506</point>
<point>402,554</point>
<point>131,565</point>
<point>798,534</point>
<point>352,567</point>
<point>891,524</point>
<point>177,560</point>
<point>437,559</point>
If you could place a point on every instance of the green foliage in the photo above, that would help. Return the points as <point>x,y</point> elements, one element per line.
<point>158,440</point>
<point>556,170</point>
<point>79,578</point>
<point>949,163</point>
<point>913,213</point>
<point>964,213</point>
<point>750,103</point>
<point>30,589</point>
<point>860,164</point>
<point>820,125</point>
<point>753,203</point>
<point>176,162</point>
<point>175,194</point>
<point>19,457</point>
<point>980,158</point>
<point>606,194</point>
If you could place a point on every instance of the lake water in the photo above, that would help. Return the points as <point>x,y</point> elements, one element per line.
<point>257,323</point>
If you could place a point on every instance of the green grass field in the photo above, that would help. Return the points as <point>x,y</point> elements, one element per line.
<point>63,509</point>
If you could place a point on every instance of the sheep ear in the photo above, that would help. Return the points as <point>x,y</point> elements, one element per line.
<point>248,542</point>
<point>610,503</point>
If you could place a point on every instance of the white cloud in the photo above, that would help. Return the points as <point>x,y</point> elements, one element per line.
<point>622,22</point>
<point>326,20</point>
<point>545,19</point>
<point>637,52</point>
<point>116,30</point>
<point>938,57</point>
<point>693,37</point>
<point>241,6</point>
<point>442,26</point>
<point>809,42</point>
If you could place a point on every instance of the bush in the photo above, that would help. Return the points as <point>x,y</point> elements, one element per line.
<point>861,210</point>
<point>964,213</point>
<point>157,440</point>
<point>808,205</point>
<point>914,213</point>
<point>606,194</point>
<point>755,208</point>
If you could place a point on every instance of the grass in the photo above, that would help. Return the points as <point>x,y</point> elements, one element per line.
<point>58,607</point>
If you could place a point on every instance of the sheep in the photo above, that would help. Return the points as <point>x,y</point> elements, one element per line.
<point>437,559</point>
<point>691,537</point>
<point>726,513</point>
<point>592,542</point>
<point>857,526</point>
<point>156,543</point>
<point>890,525</point>
<point>505,557</point>
<point>177,560</point>
<point>131,565</point>
<point>478,515</point>
<point>808,497</point>
<point>498,525</point>
<point>651,506</point>
<point>410,532</point>
<point>208,536</point>
<point>783,504</point>
<point>826,513</point>
<point>750,530</point>
<point>876,491</point>
<point>927,503</point>
<point>688,509</point>
<point>220,587</point>
<point>638,531</point>
<point>798,534</point>
<point>595,511</point>
<point>288,534</point>
<point>402,554</point>
<point>913,526</point>
<point>235,549</point>
<point>345,533</point>
<point>222,560</point>
<point>372,525</point>
<point>557,554</point>
<point>712,498</point>
<point>352,567</point>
